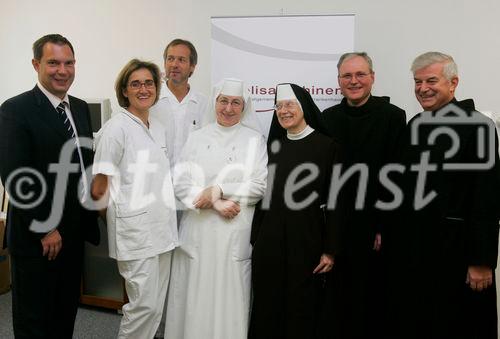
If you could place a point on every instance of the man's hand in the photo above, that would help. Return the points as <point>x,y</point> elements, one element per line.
<point>51,244</point>
<point>207,197</point>
<point>377,244</point>
<point>226,208</point>
<point>325,264</point>
<point>479,277</point>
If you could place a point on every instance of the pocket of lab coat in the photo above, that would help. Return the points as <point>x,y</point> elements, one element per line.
<point>132,231</point>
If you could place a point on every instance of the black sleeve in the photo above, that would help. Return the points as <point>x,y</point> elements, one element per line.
<point>16,153</point>
<point>332,243</point>
<point>482,224</point>
<point>395,143</point>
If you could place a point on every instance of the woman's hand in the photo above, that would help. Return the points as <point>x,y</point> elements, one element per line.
<point>207,197</point>
<point>226,208</point>
<point>325,264</point>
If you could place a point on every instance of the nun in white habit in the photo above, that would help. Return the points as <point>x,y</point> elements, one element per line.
<point>220,177</point>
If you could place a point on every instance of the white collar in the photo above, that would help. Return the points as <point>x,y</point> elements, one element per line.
<point>226,129</point>
<point>301,135</point>
<point>54,100</point>
<point>135,118</point>
<point>167,93</point>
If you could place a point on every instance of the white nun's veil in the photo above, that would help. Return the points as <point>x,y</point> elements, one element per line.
<point>234,87</point>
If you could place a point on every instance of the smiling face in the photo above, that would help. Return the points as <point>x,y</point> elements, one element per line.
<point>356,80</point>
<point>56,68</point>
<point>178,67</point>
<point>290,116</point>
<point>432,89</point>
<point>140,91</point>
<point>228,109</point>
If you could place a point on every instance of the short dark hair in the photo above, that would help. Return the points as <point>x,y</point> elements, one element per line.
<point>57,39</point>
<point>122,80</point>
<point>193,55</point>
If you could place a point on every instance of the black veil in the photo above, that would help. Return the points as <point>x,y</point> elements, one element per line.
<point>312,114</point>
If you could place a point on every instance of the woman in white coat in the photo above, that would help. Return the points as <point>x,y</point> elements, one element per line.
<point>220,177</point>
<point>131,167</point>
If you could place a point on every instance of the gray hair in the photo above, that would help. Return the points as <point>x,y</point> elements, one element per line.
<point>450,69</point>
<point>350,55</point>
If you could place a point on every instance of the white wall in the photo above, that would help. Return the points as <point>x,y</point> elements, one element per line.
<point>108,33</point>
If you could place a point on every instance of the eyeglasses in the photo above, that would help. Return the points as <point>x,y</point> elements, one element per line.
<point>136,84</point>
<point>359,75</point>
<point>234,103</point>
<point>286,105</point>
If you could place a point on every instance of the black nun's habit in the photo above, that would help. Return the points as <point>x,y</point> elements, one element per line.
<point>290,230</point>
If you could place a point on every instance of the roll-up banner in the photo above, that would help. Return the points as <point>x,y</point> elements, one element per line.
<point>266,51</point>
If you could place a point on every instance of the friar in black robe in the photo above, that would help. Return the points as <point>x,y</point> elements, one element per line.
<point>290,239</point>
<point>451,213</point>
<point>368,129</point>
<point>368,136</point>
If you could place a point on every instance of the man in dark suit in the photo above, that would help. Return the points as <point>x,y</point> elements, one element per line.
<point>46,222</point>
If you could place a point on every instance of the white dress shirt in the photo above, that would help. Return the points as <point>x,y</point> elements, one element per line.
<point>179,118</point>
<point>55,101</point>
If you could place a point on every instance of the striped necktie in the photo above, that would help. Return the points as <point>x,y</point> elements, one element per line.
<point>71,133</point>
<point>65,120</point>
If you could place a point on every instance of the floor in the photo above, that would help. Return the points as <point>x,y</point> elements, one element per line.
<point>91,323</point>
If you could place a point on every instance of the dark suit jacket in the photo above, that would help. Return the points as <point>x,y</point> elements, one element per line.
<point>32,135</point>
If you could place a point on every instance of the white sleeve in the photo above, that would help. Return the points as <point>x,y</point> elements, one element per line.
<point>186,176</point>
<point>253,186</point>
<point>109,151</point>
